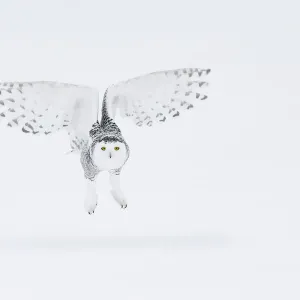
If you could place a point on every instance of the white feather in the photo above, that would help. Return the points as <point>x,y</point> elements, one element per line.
<point>46,107</point>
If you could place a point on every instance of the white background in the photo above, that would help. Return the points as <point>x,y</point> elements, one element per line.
<point>213,196</point>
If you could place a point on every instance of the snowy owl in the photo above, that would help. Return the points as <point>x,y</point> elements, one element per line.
<point>44,107</point>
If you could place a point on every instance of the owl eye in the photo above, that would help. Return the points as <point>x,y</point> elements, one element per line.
<point>103,148</point>
<point>117,148</point>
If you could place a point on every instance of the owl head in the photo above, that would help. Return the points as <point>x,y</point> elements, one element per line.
<point>110,153</point>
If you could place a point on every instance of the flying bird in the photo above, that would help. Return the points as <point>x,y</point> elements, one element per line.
<point>45,107</point>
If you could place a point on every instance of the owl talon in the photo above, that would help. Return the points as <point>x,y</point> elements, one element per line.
<point>90,202</point>
<point>91,209</point>
<point>119,198</point>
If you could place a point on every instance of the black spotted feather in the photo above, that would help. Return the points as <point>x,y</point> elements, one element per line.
<point>158,96</point>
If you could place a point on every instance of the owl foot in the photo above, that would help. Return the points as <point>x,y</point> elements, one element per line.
<point>91,210</point>
<point>123,206</point>
<point>119,198</point>
<point>90,204</point>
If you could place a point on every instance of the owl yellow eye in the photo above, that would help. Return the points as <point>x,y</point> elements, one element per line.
<point>103,148</point>
<point>117,148</point>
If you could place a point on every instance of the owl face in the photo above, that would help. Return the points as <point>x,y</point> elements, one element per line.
<point>109,155</point>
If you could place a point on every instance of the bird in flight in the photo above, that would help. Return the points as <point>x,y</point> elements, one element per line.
<point>45,107</point>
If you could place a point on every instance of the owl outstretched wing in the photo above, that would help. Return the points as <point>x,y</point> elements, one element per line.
<point>155,97</point>
<point>47,107</point>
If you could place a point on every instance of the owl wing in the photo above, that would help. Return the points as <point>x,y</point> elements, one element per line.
<point>155,97</point>
<point>47,107</point>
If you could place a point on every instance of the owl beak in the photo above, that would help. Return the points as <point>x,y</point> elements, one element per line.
<point>109,154</point>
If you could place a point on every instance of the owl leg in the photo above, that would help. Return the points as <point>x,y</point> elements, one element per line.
<point>116,191</point>
<point>90,201</point>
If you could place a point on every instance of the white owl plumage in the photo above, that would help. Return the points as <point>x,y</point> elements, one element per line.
<point>45,107</point>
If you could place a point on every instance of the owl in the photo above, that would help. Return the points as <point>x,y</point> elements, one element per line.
<point>45,107</point>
